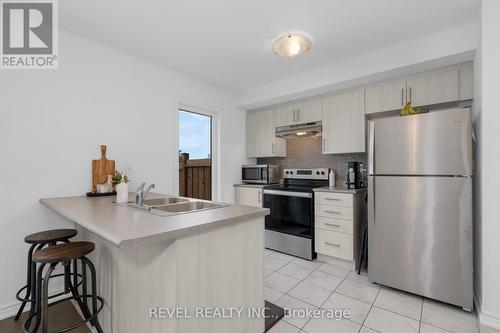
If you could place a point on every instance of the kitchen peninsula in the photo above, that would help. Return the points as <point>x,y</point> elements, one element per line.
<point>145,261</point>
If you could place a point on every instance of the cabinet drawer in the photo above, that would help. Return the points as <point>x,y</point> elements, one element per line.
<point>338,212</point>
<point>337,199</point>
<point>334,224</point>
<point>335,244</point>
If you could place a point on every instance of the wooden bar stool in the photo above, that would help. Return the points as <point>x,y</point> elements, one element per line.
<point>38,241</point>
<point>65,254</point>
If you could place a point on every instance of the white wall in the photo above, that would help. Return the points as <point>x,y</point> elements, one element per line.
<point>437,50</point>
<point>489,119</point>
<point>53,122</point>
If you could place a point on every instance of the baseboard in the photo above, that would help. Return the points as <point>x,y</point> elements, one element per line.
<point>489,319</point>
<point>485,318</point>
<point>10,310</point>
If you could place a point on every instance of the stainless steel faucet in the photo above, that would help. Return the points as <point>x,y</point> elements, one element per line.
<point>141,193</point>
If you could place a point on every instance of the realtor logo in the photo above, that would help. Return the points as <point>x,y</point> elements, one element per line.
<point>29,34</point>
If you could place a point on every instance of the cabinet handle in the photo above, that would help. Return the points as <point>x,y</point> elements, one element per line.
<point>272,147</point>
<point>259,193</point>
<point>333,199</point>
<point>410,95</point>
<point>324,142</point>
<point>293,115</point>
<point>333,225</point>
<point>332,212</point>
<point>402,97</point>
<point>332,244</point>
<point>298,114</point>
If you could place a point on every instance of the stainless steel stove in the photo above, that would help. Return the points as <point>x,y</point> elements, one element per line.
<point>290,225</point>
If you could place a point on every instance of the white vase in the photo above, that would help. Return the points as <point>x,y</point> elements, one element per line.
<point>122,193</point>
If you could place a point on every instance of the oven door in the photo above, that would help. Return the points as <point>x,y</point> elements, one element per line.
<point>291,212</point>
<point>254,174</point>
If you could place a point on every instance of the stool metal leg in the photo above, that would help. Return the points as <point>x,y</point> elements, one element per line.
<point>33,281</point>
<point>33,288</point>
<point>75,292</point>
<point>89,264</point>
<point>67,272</point>
<point>28,282</point>
<point>84,285</point>
<point>75,273</point>
<point>38,298</point>
<point>45,298</point>
<point>34,293</point>
<point>67,277</point>
<point>85,308</point>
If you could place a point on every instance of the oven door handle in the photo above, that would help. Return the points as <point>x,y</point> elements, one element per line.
<point>289,193</point>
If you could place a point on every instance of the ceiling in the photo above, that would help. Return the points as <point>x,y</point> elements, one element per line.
<point>228,42</point>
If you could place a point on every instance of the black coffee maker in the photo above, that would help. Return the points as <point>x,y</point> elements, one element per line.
<point>354,175</point>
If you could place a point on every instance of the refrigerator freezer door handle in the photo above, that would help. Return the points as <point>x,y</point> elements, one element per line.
<point>371,147</point>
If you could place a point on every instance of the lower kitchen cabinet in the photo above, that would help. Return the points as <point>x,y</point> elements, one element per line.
<point>338,225</point>
<point>248,195</point>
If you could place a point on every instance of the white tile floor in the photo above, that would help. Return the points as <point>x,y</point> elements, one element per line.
<point>300,284</point>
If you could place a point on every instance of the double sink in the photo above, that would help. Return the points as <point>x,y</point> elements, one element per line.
<point>174,205</point>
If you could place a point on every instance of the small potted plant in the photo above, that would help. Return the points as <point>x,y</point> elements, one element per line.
<point>120,181</point>
<point>117,178</point>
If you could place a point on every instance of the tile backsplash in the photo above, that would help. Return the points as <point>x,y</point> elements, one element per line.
<point>306,153</point>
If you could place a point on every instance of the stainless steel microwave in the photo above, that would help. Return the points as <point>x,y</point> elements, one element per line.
<point>260,174</point>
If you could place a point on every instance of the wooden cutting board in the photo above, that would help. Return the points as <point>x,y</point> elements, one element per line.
<point>101,169</point>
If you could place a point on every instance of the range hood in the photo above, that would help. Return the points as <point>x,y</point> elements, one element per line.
<point>299,130</point>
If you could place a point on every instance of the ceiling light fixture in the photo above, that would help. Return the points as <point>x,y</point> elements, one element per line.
<point>301,133</point>
<point>291,45</point>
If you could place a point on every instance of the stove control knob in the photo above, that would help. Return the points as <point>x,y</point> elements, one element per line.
<point>322,172</point>
<point>317,172</point>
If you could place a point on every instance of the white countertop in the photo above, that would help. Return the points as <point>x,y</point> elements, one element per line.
<point>339,189</point>
<point>127,226</point>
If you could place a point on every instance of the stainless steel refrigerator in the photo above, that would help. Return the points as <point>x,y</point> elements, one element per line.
<point>420,204</point>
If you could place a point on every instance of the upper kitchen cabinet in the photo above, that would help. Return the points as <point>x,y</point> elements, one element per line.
<point>299,113</point>
<point>261,135</point>
<point>466,83</point>
<point>450,84</point>
<point>433,88</point>
<point>309,111</point>
<point>286,115</point>
<point>386,96</point>
<point>344,123</point>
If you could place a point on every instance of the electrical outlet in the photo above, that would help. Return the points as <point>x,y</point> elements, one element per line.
<point>128,170</point>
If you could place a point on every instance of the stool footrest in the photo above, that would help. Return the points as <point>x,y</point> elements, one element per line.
<point>27,323</point>
<point>32,300</point>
